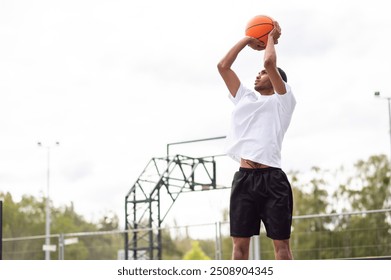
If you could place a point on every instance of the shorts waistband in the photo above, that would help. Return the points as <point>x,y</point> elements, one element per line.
<point>258,170</point>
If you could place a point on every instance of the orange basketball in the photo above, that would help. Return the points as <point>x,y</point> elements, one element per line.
<point>259,27</point>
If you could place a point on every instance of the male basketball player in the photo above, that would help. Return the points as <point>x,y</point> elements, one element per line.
<point>260,189</point>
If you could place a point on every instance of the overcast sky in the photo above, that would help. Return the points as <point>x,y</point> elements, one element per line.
<point>115,81</point>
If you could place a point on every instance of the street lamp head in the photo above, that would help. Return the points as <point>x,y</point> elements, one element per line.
<point>40,144</point>
<point>377,93</point>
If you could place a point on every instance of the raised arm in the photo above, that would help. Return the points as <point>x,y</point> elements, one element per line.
<point>229,76</point>
<point>270,60</point>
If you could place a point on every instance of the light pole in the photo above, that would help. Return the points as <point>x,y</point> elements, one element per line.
<point>377,94</point>
<point>48,220</point>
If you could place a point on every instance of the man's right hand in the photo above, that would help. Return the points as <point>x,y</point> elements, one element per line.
<point>275,33</point>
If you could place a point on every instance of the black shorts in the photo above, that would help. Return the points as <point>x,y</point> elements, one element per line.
<point>261,195</point>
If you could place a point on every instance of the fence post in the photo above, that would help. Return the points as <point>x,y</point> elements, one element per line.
<point>61,246</point>
<point>218,246</point>
<point>1,229</point>
<point>254,252</point>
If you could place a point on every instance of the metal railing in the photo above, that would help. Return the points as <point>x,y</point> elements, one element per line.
<point>358,234</point>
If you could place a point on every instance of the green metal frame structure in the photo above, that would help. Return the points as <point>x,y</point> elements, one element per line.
<point>154,193</point>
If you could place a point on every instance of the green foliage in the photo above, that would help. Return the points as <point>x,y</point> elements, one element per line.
<point>309,198</point>
<point>346,236</point>
<point>27,218</point>
<point>226,248</point>
<point>372,181</point>
<point>171,250</point>
<point>341,236</point>
<point>196,253</point>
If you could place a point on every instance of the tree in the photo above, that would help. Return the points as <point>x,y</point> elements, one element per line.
<point>196,253</point>
<point>341,236</point>
<point>22,219</point>
<point>170,247</point>
<point>368,189</point>
<point>309,198</point>
<point>27,218</point>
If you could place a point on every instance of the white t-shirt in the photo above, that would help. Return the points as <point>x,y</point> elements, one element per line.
<point>258,125</point>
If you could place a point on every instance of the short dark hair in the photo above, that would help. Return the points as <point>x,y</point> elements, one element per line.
<point>282,74</point>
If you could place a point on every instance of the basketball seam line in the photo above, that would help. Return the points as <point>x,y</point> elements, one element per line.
<point>259,25</point>
<point>264,35</point>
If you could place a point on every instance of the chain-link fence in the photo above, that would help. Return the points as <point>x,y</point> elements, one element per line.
<point>333,236</point>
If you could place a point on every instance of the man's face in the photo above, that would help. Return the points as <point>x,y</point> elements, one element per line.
<point>262,81</point>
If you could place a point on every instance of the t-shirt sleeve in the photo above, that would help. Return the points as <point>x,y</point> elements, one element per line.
<point>242,91</point>
<point>287,100</point>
